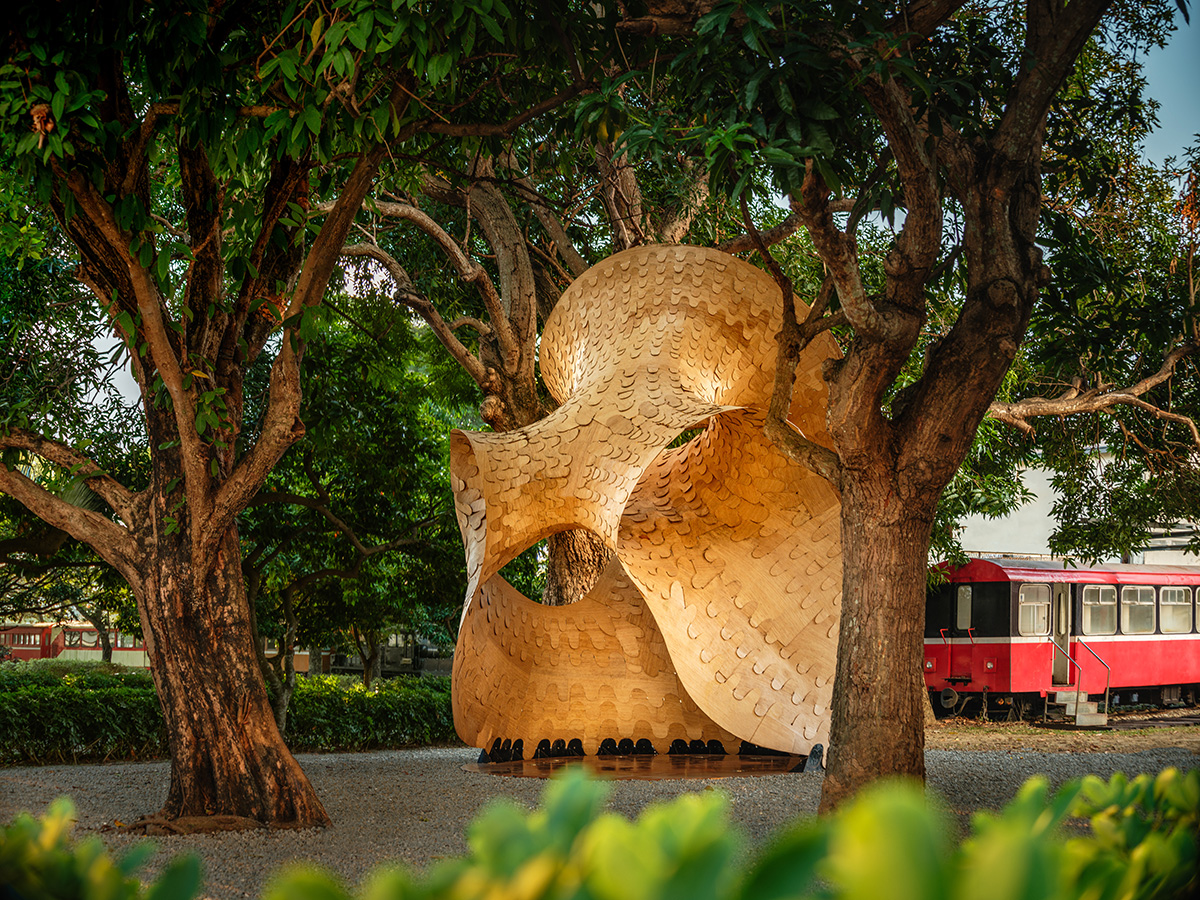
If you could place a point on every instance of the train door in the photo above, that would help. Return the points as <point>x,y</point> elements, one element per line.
<point>961,654</point>
<point>1061,630</point>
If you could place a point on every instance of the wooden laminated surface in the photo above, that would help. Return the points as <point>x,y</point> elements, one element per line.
<point>717,618</point>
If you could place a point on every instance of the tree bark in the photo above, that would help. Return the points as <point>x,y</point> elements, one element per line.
<point>227,754</point>
<point>576,559</point>
<point>878,713</point>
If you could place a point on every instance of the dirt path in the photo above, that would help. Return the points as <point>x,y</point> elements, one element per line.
<point>971,734</point>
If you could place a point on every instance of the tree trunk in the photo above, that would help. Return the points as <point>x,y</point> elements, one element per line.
<point>284,686</point>
<point>279,671</point>
<point>100,623</point>
<point>878,709</point>
<point>369,654</point>
<point>576,558</point>
<point>227,754</point>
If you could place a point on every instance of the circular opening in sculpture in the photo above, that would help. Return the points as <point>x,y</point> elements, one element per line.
<point>560,569</point>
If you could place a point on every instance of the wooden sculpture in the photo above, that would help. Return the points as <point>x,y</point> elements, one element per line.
<point>717,618</point>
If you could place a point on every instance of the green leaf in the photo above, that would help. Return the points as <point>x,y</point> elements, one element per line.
<point>305,883</point>
<point>790,866</point>
<point>180,880</point>
<point>887,844</point>
<point>438,67</point>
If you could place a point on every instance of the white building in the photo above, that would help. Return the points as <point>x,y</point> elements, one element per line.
<point>1026,532</point>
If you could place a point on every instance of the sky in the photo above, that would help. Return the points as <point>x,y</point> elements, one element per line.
<point>1174,81</point>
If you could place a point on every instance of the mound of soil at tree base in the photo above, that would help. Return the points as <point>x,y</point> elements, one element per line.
<point>1136,731</point>
<point>157,826</point>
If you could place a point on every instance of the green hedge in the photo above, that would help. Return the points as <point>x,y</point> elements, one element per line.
<point>329,715</point>
<point>105,713</point>
<point>80,672</point>
<point>888,843</point>
<point>66,723</point>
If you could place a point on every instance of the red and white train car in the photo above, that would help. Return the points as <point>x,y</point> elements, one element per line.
<point>31,640</point>
<point>1016,629</point>
<point>81,640</point>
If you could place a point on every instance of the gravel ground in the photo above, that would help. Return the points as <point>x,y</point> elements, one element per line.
<point>414,805</point>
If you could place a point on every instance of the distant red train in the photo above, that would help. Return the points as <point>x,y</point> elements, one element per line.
<point>39,640</point>
<point>1012,631</point>
<point>81,640</point>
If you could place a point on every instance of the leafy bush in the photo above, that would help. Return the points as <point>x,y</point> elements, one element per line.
<point>38,861</point>
<point>69,722</point>
<point>83,672</point>
<point>84,710</point>
<point>327,714</point>
<point>1145,833</point>
<point>888,843</point>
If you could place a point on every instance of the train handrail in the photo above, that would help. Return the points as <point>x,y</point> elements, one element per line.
<point>1078,676</point>
<point>1107,667</point>
<point>1079,670</point>
<point>949,651</point>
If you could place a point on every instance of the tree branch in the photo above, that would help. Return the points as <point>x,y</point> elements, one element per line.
<point>1071,402</point>
<point>549,219</point>
<point>407,294</point>
<point>320,505</point>
<point>123,501</point>
<point>468,270</point>
<point>910,261</point>
<point>503,129</point>
<point>837,250</point>
<point>790,343</point>
<point>1055,34</point>
<point>923,16</point>
<point>675,228</point>
<point>744,243</point>
<point>163,353</point>
<point>111,541</point>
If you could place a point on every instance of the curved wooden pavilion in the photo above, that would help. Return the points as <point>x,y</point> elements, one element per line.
<point>717,617</point>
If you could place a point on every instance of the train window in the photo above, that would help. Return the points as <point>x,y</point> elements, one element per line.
<point>1137,610</point>
<point>1175,609</point>
<point>1099,609</point>
<point>1034,615</point>
<point>962,608</point>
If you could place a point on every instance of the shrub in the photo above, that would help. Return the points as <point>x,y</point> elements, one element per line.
<point>328,715</point>
<point>38,861</point>
<point>69,722</point>
<point>83,672</point>
<point>78,710</point>
<point>888,843</point>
